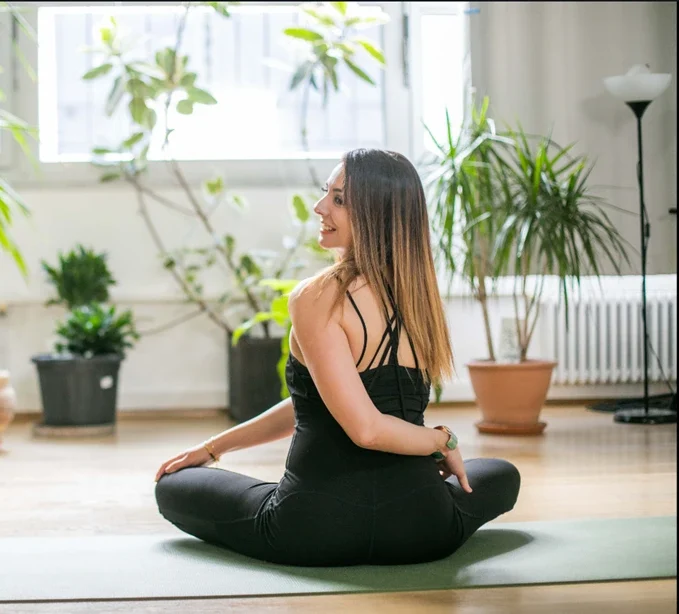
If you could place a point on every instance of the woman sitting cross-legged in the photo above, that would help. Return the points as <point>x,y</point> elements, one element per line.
<point>365,481</point>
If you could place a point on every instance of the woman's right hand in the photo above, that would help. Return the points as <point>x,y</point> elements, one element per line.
<point>453,464</point>
<point>193,457</point>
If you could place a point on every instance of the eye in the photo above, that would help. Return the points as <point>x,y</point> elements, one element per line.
<point>338,201</point>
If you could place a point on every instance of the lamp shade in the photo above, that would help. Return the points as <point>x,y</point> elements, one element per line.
<point>638,85</point>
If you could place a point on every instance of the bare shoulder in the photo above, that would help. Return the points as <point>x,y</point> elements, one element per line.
<point>310,299</point>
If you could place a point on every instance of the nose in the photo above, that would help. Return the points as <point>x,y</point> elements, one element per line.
<point>320,207</point>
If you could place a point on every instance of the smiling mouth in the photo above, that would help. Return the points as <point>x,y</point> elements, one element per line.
<point>326,228</point>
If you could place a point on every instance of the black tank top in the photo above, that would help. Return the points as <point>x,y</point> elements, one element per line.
<point>321,452</point>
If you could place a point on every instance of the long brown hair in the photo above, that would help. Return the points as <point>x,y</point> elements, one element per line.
<point>391,249</point>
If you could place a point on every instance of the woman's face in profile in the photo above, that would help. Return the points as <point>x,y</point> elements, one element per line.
<point>335,230</point>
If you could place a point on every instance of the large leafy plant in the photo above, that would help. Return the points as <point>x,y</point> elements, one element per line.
<point>96,330</point>
<point>511,204</point>
<point>462,179</point>
<point>552,225</point>
<point>11,202</point>
<point>151,90</point>
<point>80,277</point>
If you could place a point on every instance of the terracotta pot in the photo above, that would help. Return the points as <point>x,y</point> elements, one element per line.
<point>511,395</point>
<point>7,402</point>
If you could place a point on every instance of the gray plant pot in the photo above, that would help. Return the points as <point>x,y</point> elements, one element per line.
<point>78,391</point>
<point>254,385</point>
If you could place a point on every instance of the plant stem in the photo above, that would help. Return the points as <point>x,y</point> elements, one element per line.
<point>143,209</point>
<point>184,184</point>
<point>171,324</point>
<point>303,130</point>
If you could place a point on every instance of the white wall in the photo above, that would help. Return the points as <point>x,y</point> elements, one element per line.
<point>543,63</point>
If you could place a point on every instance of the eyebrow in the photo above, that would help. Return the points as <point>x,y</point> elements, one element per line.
<point>337,190</point>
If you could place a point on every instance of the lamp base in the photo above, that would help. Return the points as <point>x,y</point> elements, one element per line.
<point>640,416</point>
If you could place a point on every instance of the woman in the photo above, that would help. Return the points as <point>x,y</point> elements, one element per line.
<point>365,482</point>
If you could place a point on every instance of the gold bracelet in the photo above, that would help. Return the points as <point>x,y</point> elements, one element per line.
<point>210,450</point>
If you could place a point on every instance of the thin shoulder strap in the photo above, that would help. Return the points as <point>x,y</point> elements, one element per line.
<point>365,329</point>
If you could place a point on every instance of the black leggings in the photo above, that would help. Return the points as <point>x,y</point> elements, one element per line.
<point>222,507</point>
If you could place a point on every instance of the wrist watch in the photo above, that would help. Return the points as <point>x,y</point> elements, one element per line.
<point>451,444</point>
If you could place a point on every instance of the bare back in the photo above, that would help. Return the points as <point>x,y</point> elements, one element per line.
<point>373,314</point>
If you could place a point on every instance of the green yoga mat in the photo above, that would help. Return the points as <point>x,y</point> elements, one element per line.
<point>176,566</point>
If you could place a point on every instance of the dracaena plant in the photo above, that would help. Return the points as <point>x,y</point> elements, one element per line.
<point>512,204</point>
<point>553,224</point>
<point>462,178</point>
<point>11,202</point>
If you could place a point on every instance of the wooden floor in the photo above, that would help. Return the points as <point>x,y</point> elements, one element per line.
<point>584,466</point>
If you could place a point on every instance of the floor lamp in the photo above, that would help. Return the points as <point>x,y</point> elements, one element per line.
<point>638,88</point>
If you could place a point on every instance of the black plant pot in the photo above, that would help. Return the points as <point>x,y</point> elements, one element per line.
<point>254,385</point>
<point>78,391</point>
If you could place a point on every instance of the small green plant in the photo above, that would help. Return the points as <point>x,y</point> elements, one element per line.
<point>81,277</point>
<point>279,313</point>
<point>96,330</point>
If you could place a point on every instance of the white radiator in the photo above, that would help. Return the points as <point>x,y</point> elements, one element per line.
<point>603,343</point>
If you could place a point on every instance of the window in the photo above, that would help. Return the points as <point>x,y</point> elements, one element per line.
<point>441,69</point>
<point>238,61</point>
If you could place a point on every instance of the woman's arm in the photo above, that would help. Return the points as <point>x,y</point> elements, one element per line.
<point>275,423</point>
<point>328,357</point>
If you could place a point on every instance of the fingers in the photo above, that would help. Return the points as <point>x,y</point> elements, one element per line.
<point>464,483</point>
<point>169,466</point>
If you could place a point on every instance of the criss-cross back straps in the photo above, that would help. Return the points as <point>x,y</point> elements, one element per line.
<point>386,335</point>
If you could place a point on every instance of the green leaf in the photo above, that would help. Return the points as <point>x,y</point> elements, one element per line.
<point>108,177</point>
<point>99,71</point>
<point>106,35</point>
<point>215,186</point>
<point>138,109</point>
<point>185,107</point>
<point>188,79</point>
<point>326,20</point>
<point>301,209</point>
<point>201,96</point>
<point>358,71</point>
<point>300,74</point>
<point>132,140</point>
<point>115,96</point>
<point>262,316</point>
<point>150,119</point>
<point>371,49</point>
<point>238,201</point>
<point>340,7</point>
<point>280,285</point>
<point>303,34</point>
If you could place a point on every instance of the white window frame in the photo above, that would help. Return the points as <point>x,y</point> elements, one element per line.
<point>291,171</point>
<point>7,87</point>
<point>415,12</point>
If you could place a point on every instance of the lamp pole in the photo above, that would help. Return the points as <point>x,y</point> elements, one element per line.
<point>638,88</point>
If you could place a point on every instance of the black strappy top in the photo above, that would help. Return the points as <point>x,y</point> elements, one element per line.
<point>394,389</point>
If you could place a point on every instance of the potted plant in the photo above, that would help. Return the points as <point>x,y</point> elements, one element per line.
<point>280,315</point>
<point>519,207</point>
<point>79,382</point>
<point>152,89</point>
